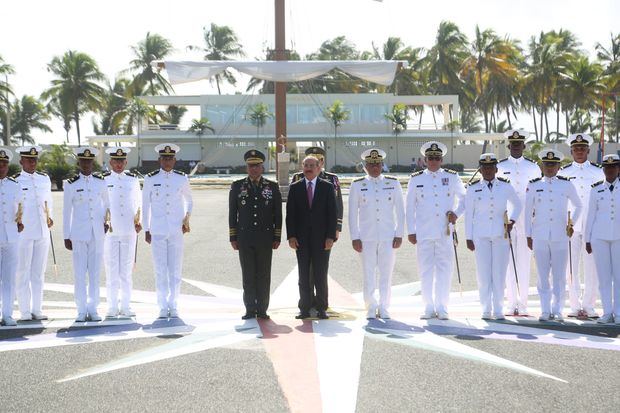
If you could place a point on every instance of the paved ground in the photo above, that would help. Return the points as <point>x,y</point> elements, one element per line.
<point>210,360</point>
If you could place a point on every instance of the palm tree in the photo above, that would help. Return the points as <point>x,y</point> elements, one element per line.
<point>445,59</point>
<point>258,115</point>
<point>5,90</point>
<point>199,128</point>
<point>153,47</point>
<point>221,43</point>
<point>75,84</point>
<point>174,114</point>
<point>394,49</point>
<point>133,113</point>
<point>337,114</point>
<point>28,114</point>
<point>61,108</point>
<point>610,57</point>
<point>398,117</point>
<point>115,100</point>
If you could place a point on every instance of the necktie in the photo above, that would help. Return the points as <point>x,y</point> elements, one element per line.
<point>611,188</point>
<point>490,185</point>
<point>310,194</point>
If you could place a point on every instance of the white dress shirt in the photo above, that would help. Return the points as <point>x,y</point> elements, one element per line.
<point>603,220</point>
<point>166,198</point>
<point>85,204</point>
<point>583,176</point>
<point>125,199</point>
<point>10,198</point>
<point>37,190</point>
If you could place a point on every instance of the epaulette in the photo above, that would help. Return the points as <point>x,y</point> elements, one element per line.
<point>474,182</point>
<point>130,174</point>
<point>417,173</point>
<point>361,178</point>
<point>598,165</point>
<point>329,174</point>
<point>535,179</point>
<point>563,178</point>
<point>271,182</point>
<point>153,173</point>
<point>528,159</point>
<point>16,175</point>
<point>502,160</point>
<point>98,176</point>
<point>106,173</point>
<point>391,177</point>
<point>597,183</point>
<point>296,177</point>
<point>10,178</point>
<point>40,173</point>
<point>74,179</point>
<point>179,172</point>
<point>502,179</point>
<point>450,171</point>
<point>566,166</point>
<point>239,181</point>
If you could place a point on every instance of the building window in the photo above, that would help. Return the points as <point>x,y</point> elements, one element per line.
<point>373,114</point>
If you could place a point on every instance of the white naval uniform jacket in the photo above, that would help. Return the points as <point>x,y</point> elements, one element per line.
<point>36,190</point>
<point>10,198</point>
<point>484,208</point>
<point>546,208</point>
<point>125,199</point>
<point>430,196</point>
<point>166,198</point>
<point>603,219</point>
<point>376,209</point>
<point>583,176</point>
<point>520,171</point>
<point>85,203</point>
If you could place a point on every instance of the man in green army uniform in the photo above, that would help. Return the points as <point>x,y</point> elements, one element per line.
<point>255,222</point>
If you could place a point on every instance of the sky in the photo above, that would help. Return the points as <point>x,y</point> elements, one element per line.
<point>33,32</point>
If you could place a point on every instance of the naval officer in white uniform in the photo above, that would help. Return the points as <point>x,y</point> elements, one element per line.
<point>120,243</point>
<point>602,237</point>
<point>84,226</point>
<point>376,225</point>
<point>548,231</point>
<point>434,199</point>
<point>519,170</point>
<point>166,207</point>
<point>489,203</point>
<point>582,174</point>
<point>34,240</point>
<point>10,225</point>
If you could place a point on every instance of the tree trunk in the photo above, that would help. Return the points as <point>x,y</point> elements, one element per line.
<point>557,116</point>
<point>420,120</point>
<point>508,116</point>
<point>76,118</point>
<point>434,120</point>
<point>217,83</point>
<point>534,118</point>
<point>566,121</point>
<point>547,125</point>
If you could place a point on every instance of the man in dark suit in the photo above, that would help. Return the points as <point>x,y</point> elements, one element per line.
<point>255,224</point>
<point>311,223</point>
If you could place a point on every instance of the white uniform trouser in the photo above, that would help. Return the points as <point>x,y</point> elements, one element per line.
<point>491,262</point>
<point>607,260</point>
<point>87,257</point>
<point>517,298</point>
<point>119,252</point>
<point>436,262</point>
<point>8,267</point>
<point>377,256</point>
<point>579,254</point>
<point>32,260</point>
<point>168,263</point>
<point>550,257</point>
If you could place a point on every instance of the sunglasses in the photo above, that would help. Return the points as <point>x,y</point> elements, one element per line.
<point>434,158</point>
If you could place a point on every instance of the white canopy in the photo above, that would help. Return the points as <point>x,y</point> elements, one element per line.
<point>377,71</point>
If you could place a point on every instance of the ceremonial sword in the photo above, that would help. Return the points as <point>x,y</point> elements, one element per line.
<point>512,251</point>
<point>47,216</point>
<point>455,242</point>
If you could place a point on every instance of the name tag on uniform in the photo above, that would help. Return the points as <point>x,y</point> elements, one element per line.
<point>478,190</point>
<point>389,188</point>
<point>156,184</point>
<point>540,190</point>
<point>419,186</point>
<point>110,186</point>
<point>506,172</point>
<point>24,189</point>
<point>364,189</point>
<point>602,190</point>
<point>79,190</point>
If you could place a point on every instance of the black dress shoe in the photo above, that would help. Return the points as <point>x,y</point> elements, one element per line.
<point>322,315</point>
<point>301,316</point>
<point>248,316</point>
<point>263,316</point>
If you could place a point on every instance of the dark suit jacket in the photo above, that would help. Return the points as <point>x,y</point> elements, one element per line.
<point>314,224</point>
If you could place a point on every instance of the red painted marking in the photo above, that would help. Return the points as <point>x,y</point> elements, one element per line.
<point>290,346</point>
